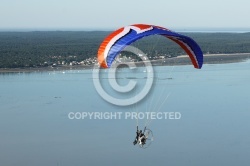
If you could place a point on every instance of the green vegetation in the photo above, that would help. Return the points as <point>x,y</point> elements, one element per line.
<point>35,49</point>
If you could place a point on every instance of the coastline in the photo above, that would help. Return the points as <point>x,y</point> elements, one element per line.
<point>180,60</point>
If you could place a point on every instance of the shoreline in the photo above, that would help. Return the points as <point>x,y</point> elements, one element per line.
<point>180,60</point>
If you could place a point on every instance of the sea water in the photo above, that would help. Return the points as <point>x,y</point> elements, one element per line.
<point>213,129</point>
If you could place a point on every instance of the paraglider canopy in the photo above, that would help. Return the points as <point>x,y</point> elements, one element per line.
<point>114,43</point>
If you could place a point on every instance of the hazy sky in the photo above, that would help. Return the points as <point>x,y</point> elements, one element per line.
<point>98,14</point>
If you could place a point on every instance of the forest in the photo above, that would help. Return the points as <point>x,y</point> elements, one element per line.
<point>43,48</point>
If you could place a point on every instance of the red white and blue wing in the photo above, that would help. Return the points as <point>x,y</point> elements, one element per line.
<point>113,44</point>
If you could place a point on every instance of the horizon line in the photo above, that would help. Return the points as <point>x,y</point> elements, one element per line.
<point>180,29</point>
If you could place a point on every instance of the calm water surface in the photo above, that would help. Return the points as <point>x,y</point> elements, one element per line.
<point>213,130</point>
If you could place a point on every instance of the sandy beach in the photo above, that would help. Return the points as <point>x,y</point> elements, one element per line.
<point>180,60</point>
<point>208,59</point>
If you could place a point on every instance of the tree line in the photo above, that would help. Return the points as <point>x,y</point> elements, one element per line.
<point>42,48</point>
